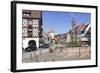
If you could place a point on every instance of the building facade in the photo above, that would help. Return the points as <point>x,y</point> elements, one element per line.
<point>31,26</point>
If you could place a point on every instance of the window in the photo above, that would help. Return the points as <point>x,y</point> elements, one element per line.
<point>35,23</point>
<point>24,32</point>
<point>35,32</point>
<point>24,22</point>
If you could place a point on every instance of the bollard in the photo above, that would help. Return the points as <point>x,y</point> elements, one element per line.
<point>40,52</point>
<point>79,52</point>
<point>36,57</point>
<point>31,57</point>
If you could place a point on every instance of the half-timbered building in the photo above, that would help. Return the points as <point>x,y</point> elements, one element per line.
<point>31,26</point>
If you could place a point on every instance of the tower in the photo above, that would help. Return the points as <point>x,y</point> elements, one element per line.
<point>74,30</point>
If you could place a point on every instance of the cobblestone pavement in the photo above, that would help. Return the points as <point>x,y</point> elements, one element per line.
<point>78,53</point>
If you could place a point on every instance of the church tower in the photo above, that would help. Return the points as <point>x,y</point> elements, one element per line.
<point>74,30</point>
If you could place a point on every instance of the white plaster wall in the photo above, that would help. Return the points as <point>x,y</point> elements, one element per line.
<point>68,38</point>
<point>52,35</point>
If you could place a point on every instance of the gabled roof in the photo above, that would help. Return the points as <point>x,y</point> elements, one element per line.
<point>82,27</point>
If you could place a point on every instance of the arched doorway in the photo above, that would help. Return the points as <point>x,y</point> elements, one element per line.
<point>31,46</point>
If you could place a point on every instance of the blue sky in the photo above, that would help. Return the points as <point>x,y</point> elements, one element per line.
<point>60,22</point>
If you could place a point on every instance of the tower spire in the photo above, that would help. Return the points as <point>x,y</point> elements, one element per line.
<point>73,21</point>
